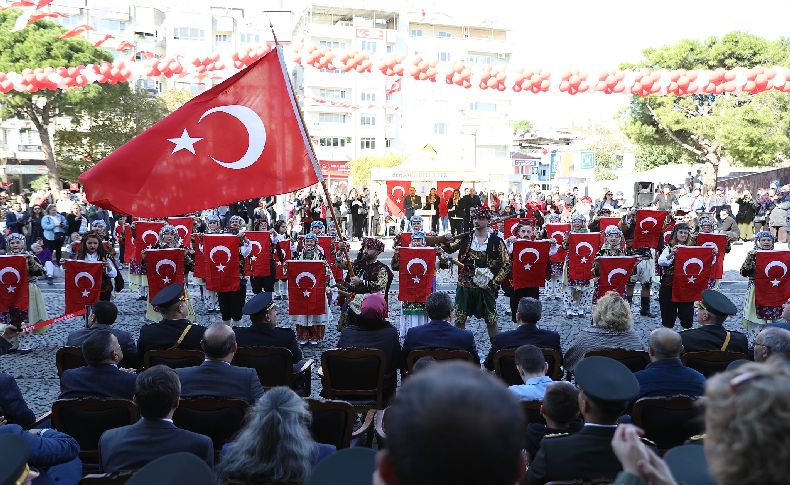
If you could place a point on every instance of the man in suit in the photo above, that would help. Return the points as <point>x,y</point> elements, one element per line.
<point>54,455</point>
<point>215,376</point>
<point>606,387</point>
<point>156,394</point>
<point>413,202</point>
<point>466,204</point>
<point>711,335</point>
<point>527,332</point>
<point>439,333</point>
<point>772,342</point>
<point>101,377</point>
<point>666,375</point>
<point>12,405</point>
<point>102,316</point>
<point>174,331</point>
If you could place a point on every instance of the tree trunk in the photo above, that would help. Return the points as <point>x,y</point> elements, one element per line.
<point>42,126</point>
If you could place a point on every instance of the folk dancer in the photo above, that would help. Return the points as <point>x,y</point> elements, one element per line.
<point>554,278</point>
<point>93,249</point>
<point>370,276</point>
<point>578,293</point>
<point>279,234</point>
<point>213,226</point>
<point>752,313</point>
<point>645,266</point>
<point>231,302</point>
<point>413,314</point>
<point>312,328</point>
<point>36,310</point>
<point>707,225</point>
<point>169,239</point>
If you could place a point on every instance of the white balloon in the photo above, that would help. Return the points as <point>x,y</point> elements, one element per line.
<point>768,267</point>
<point>419,261</point>
<point>12,271</point>
<point>256,134</point>
<point>224,249</point>
<point>166,262</point>
<point>616,271</point>
<point>305,274</point>
<point>83,274</point>
<point>531,251</point>
<point>693,261</point>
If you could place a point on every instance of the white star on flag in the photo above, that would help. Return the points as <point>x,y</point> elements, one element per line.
<point>11,289</point>
<point>397,200</point>
<point>306,293</point>
<point>775,282</point>
<point>221,267</point>
<point>645,232</point>
<point>85,293</point>
<point>165,280</point>
<point>527,266</point>
<point>584,260</point>
<point>253,258</point>
<point>416,279</point>
<point>692,279</point>
<point>184,142</point>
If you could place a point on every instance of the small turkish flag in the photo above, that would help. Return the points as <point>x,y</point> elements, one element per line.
<point>327,243</point>
<point>582,248</point>
<point>509,225</point>
<point>649,227</point>
<point>13,283</point>
<point>284,254</point>
<point>417,267</point>
<point>306,287</point>
<point>693,265</point>
<point>771,281</point>
<point>221,253</point>
<point>558,232</point>
<point>396,195</point>
<point>83,283</point>
<point>405,239</point>
<point>445,190</point>
<point>606,222</point>
<point>529,263</point>
<point>719,241</point>
<point>243,133</point>
<point>183,226</point>
<point>260,260</point>
<point>615,272</point>
<point>164,267</point>
<point>668,232</point>
<point>146,235</point>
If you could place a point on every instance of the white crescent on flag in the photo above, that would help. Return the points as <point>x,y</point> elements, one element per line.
<point>402,190</point>
<point>83,274</point>
<point>166,262</point>
<point>696,261</point>
<point>256,134</point>
<point>305,274</point>
<point>224,249</point>
<point>12,271</point>
<point>584,244</point>
<point>446,189</point>
<point>615,272</point>
<point>651,219</point>
<point>531,251</point>
<point>258,245</point>
<point>768,267</point>
<point>146,233</point>
<point>178,229</point>
<point>562,235</point>
<point>419,261</point>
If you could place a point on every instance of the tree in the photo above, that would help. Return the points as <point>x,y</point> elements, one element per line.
<point>521,126</point>
<point>745,129</point>
<point>99,130</point>
<point>39,45</point>
<point>360,167</point>
<point>175,98</point>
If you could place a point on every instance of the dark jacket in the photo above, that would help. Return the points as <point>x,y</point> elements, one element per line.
<point>438,334</point>
<point>746,210</point>
<point>47,451</point>
<point>537,431</point>
<point>712,337</point>
<point>131,447</point>
<point>14,223</point>
<point>375,334</point>
<point>12,404</point>
<point>125,339</point>
<point>266,336</point>
<point>412,203</point>
<point>524,334</point>
<point>220,379</point>
<point>102,380</point>
<point>669,377</point>
<point>163,335</point>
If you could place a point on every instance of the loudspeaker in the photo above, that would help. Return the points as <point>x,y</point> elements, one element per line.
<point>643,194</point>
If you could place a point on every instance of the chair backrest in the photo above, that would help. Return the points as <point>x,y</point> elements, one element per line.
<point>107,478</point>
<point>438,354</point>
<point>532,411</point>
<point>273,364</point>
<point>668,421</point>
<point>173,358</point>
<point>69,358</point>
<point>635,360</point>
<point>354,374</point>
<point>505,365</point>
<point>554,359</point>
<point>333,422</point>
<point>87,418</point>
<point>218,418</point>
<point>712,361</point>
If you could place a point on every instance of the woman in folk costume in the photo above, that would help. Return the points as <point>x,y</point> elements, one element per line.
<point>577,295</point>
<point>169,239</point>
<point>524,231</point>
<point>108,241</point>
<point>231,302</point>
<point>612,246</point>
<point>707,225</point>
<point>137,276</point>
<point>280,234</point>
<point>92,249</point>
<point>554,279</point>
<point>311,328</point>
<point>264,283</point>
<point>209,297</point>
<point>752,313</point>
<point>413,314</point>
<point>36,310</point>
<point>670,310</point>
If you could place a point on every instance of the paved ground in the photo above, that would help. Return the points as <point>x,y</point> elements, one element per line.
<point>35,372</point>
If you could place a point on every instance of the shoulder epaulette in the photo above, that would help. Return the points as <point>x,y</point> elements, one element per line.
<point>648,442</point>
<point>697,437</point>
<point>556,435</point>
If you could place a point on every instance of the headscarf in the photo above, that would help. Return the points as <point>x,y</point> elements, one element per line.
<point>317,224</point>
<point>761,235</point>
<point>237,219</point>
<point>15,236</point>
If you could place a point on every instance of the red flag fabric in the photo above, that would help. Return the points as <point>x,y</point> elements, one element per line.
<point>146,235</point>
<point>417,268</point>
<point>719,241</point>
<point>668,232</point>
<point>184,227</point>
<point>582,247</point>
<point>163,267</point>
<point>529,263</point>
<point>445,190</point>
<point>557,232</point>
<point>509,225</point>
<point>606,222</point>
<point>327,243</point>
<point>306,287</point>
<point>76,31</point>
<point>693,265</point>
<point>649,227</point>
<point>284,255</point>
<point>615,272</point>
<point>200,261</point>
<point>405,239</point>
<point>83,283</point>
<point>259,262</point>
<point>221,252</point>
<point>13,283</point>
<point>396,195</point>
<point>771,279</point>
<point>245,128</point>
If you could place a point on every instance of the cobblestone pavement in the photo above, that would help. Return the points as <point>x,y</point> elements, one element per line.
<point>36,375</point>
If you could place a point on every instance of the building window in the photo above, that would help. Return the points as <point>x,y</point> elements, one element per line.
<point>332,44</point>
<point>444,56</point>
<point>246,38</point>
<point>108,26</point>
<point>29,137</point>
<point>368,95</point>
<point>334,141</point>
<point>367,143</point>
<point>188,33</point>
<point>486,58</point>
<point>482,106</point>
<point>388,142</point>
<point>333,71</point>
<point>444,35</point>
<point>415,33</point>
<point>439,129</point>
<point>369,45</point>
<point>390,119</point>
<point>221,39</point>
<point>333,93</point>
<point>71,22</point>
<point>389,48</point>
<point>332,117</point>
<point>367,120</point>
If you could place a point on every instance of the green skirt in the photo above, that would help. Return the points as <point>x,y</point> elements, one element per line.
<point>475,302</point>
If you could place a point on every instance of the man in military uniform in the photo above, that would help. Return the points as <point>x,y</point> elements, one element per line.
<point>370,276</point>
<point>263,331</point>
<point>606,386</point>
<point>712,311</point>
<point>174,331</point>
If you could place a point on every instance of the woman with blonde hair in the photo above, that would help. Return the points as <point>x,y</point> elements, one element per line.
<point>612,328</point>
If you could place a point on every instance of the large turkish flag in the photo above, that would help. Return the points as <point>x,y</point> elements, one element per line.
<point>83,283</point>
<point>649,228</point>
<point>184,227</point>
<point>306,287</point>
<point>417,267</point>
<point>771,281</point>
<point>164,267</point>
<point>396,195</point>
<point>13,283</point>
<point>718,241</point>
<point>221,252</point>
<point>259,262</point>
<point>582,247</point>
<point>445,190</point>
<point>615,272</point>
<point>558,232</point>
<point>146,235</point>
<point>244,133</point>
<point>693,265</point>
<point>529,263</point>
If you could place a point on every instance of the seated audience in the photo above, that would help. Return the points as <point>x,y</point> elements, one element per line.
<point>666,375</point>
<point>101,377</point>
<point>527,332</point>
<point>174,331</point>
<point>606,386</point>
<point>452,424</point>
<point>612,328</point>
<point>439,333</point>
<point>560,409</point>
<point>156,394</point>
<point>712,311</point>
<point>784,321</point>
<point>174,468</point>
<point>53,454</point>
<point>263,330</point>
<point>101,317</point>
<point>772,342</point>
<point>371,331</point>
<point>275,446</point>
<point>12,404</point>
<point>215,376</point>
<point>532,368</point>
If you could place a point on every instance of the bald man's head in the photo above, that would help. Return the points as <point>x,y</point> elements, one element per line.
<point>219,341</point>
<point>772,342</point>
<point>665,343</point>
